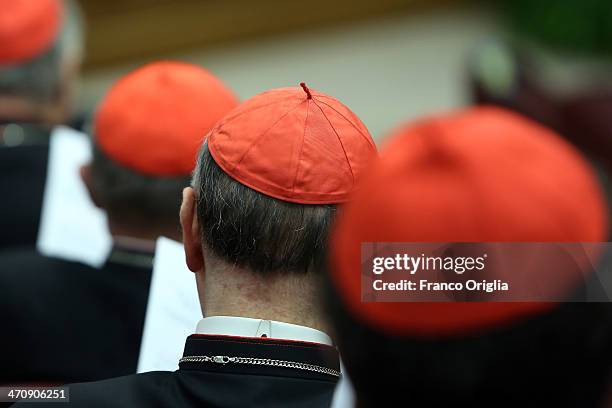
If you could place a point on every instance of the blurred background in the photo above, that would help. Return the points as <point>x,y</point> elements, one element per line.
<point>389,60</point>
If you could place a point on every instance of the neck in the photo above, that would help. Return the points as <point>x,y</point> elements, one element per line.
<point>143,234</point>
<point>22,110</point>
<point>227,290</point>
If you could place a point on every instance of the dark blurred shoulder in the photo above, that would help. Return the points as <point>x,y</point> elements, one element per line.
<point>157,388</point>
<point>24,263</point>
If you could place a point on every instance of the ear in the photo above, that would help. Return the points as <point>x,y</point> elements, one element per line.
<point>85,173</point>
<point>191,231</point>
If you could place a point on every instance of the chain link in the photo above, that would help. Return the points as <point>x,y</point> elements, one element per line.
<point>260,361</point>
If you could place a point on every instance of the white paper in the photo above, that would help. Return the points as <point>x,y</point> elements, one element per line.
<point>71,226</point>
<point>173,310</point>
<point>344,395</point>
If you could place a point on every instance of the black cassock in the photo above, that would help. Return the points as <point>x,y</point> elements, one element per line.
<point>23,172</point>
<point>225,371</point>
<point>64,321</point>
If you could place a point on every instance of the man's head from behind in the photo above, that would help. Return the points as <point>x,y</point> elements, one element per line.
<point>40,57</point>
<point>481,175</point>
<point>147,131</point>
<point>264,194</point>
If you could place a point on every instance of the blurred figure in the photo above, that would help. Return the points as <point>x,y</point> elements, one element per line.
<point>40,57</point>
<point>554,66</point>
<point>570,94</point>
<point>69,321</point>
<point>481,175</point>
<point>255,225</point>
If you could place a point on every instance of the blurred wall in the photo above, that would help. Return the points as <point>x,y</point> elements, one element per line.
<point>387,69</point>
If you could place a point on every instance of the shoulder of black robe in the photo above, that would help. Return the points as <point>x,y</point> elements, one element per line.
<point>213,384</point>
<point>65,321</point>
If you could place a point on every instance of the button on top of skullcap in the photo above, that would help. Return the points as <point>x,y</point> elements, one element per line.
<point>480,175</point>
<point>27,28</point>
<point>293,144</point>
<point>155,119</point>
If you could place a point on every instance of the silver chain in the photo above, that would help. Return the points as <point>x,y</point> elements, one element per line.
<point>260,361</point>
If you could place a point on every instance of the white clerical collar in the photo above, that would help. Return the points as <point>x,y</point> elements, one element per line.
<point>247,327</point>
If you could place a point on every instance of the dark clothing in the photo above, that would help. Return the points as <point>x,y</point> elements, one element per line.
<point>23,171</point>
<point>210,384</point>
<point>65,321</point>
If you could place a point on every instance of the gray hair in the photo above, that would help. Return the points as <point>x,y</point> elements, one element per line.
<point>246,228</point>
<point>134,199</point>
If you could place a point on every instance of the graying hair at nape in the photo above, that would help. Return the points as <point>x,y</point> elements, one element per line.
<point>196,175</point>
<point>253,230</point>
<point>134,199</point>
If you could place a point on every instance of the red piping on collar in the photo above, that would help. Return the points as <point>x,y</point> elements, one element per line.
<point>260,338</point>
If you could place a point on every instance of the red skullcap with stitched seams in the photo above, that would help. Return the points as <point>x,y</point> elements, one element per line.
<point>154,120</point>
<point>480,175</point>
<point>293,144</point>
<point>27,28</point>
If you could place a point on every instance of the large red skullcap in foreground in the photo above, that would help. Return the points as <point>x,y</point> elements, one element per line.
<point>293,144</point>
<point>483,174</point>
<point>154,120</point>
<point>27,28</point>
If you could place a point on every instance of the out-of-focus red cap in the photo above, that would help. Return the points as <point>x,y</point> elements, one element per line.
<point>27,28</point>
<point>293,144</point>
<point>153,120</point>
<point>480,175</point>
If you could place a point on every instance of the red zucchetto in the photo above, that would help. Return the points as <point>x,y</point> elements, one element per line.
<point>154,120</point>
<point>293,144</point>
<point>479,175</point>
<point>28,28</point>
